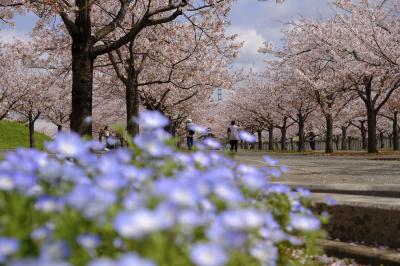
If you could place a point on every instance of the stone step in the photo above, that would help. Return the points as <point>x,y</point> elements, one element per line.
<point>360,253</point>
<point>362,219</point>
<point>388,190</point>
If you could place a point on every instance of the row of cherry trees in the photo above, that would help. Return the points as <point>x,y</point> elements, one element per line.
<point>116,56</point>
<point>330,75</point>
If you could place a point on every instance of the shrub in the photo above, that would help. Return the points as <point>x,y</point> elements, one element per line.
<point>147,205</point>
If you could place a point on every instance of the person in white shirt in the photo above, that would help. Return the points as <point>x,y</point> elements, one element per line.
<point>189,134</point>
<point>233,136</point>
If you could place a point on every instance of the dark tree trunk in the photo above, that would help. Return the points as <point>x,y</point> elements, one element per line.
<point>344,138</point>
<point>291,144</point>
<point>283,138</point>
<point>337,142</point>
<point>59,128</point>
<point>363,131</point>
<point>259,133</point>
<point>372,143</point>
<point>302,141</point>
<point>132,107</point>
<point>381,138</point>
<point>271,138</point>
<point>283,134</point>
<point>329,134</point>
<point>349,141</point>
<point>395,132</point>
<point>82,86</point>
<point>31,126</point>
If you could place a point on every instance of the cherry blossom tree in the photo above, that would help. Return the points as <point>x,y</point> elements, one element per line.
<point>91,25</point>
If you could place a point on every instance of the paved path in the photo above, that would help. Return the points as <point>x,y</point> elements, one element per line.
<point>315,169</point>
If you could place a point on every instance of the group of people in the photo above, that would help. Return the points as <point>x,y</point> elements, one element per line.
<point>234,136</point>
<point>232,132</point>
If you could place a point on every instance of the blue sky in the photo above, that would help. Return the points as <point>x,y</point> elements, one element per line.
<point>255,22</point>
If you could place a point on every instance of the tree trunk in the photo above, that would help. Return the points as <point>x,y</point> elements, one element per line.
<point>259,133</point>
<point>329,133</point>
<point>31,126</point>
<point>302,146</point>
<point>283,138</point>
<point>271,138</point>
<point>372,143</point>
<point>82,87</point>
<point>349,141</point>
<point>381,138</point>
<point>395,132</point>
<point>59,128</point>
<point>363,134</point>
<point>344,138</point>
<point>132,107</point>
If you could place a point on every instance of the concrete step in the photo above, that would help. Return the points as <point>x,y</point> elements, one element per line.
<point>360,253</point>
<point>388,190</point>
<point>362,219</point>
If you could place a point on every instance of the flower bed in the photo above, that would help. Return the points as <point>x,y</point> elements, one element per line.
<point>148,205</point>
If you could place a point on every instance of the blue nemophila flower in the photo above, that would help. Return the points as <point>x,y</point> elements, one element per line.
<point>88,241</point>
<point>23,181</point>
<point>102,262</point>
<point>265,252</point>
<point>242,219</point>
<point>111,182</point>
<point>219,234</point>
<point>91,200</point>
<point>152,120</point>
<point>149,143</point>
<point>95,145</point>
<point>7,182</point>
<point>330,200</point>
<point>48,203</point>
<point>246,136</point>
<point>132,259</point>
<point>8,246</point>
<point>55,251</point>
<point>201,158</point>
<point>198,129</point>
<point>229,193</point>
<point>207,254</point>
<point>139,223</point>
<point>303,192</point>
<point>279,189</point>
<point>191,219</point>
<point>304,222</point>
<point>270,161</point>
<point>68,145</point>
<point>133,201</point>
<point>42,233</point>
<point>274,235</point>
<point>212,143</point>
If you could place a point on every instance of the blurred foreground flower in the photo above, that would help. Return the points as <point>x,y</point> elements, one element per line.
<point>145,206</point>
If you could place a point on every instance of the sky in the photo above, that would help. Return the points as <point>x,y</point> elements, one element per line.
<point>257,22</point>
<point>254,21</point>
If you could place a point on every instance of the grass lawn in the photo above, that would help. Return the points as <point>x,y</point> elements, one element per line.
<point>14,134</point>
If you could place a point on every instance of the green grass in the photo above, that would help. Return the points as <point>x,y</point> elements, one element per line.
<point>14,134</point>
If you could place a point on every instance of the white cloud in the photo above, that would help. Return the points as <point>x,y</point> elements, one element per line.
<point>252,40</point>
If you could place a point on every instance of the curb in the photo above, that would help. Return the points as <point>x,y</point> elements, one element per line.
<point>360,253</point>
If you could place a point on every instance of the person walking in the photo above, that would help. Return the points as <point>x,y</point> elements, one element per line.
<point>233,136</point>
<point>189,134</point>
<point>107,135</point>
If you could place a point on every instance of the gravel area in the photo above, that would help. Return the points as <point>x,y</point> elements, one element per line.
<point>316,169</point>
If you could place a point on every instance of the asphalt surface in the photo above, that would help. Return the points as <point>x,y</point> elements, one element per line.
<point>316,169</point>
